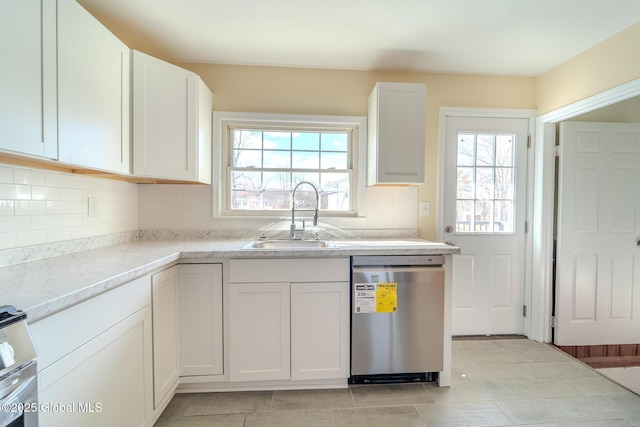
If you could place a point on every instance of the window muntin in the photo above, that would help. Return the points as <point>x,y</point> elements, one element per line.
<point>265,164</point>
<point>485,196</point>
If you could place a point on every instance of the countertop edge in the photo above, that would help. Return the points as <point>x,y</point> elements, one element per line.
<point>49,286</point>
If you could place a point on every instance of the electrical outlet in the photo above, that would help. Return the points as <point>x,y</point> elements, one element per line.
<point>92,203</point>
<point>425,208</point>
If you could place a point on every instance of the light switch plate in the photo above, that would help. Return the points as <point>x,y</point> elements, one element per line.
<point>425,208</point>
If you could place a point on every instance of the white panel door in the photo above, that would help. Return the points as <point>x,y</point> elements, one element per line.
<point>484,214</point>
<point>598,267</point>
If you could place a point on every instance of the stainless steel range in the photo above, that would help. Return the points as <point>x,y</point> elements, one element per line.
<point>18,380</point>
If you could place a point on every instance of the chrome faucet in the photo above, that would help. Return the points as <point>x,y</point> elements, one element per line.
<point>292,227</point>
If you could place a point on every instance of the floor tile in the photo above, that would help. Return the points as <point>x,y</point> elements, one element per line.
<point>494,382</point>
<point>312,399</point>
<point>463,414</point>
<point>390,394</point>
<point>297,417</point>
<point>397,416</point>
<point>229,403</point>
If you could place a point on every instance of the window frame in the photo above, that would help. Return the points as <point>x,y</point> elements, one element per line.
<point>222,146</point>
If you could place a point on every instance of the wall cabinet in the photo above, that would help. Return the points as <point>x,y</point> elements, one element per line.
<point>284,326</point>
<point>171,121</point>
<point>200,319</point>
<point>28,86</point>
<point>164,296</point>
<point>93,92</point>
<point>396,133</point>
<point>101,364</point>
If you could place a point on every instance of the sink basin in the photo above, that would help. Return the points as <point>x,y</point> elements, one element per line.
<point>287,244</point>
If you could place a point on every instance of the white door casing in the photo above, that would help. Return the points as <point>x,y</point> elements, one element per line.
<point>598,262</point>
<point>488,275</point>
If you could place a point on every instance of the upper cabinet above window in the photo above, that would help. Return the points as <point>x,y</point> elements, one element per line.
<point>28,111</point>
<point>171,122</point>
<point>396,128</point>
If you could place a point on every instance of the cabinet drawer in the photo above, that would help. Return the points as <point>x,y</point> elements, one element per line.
<point>63,332</point>
<point>289,270</point>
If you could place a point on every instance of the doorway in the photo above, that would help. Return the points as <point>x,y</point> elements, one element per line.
<point>484,212</point>
<point>542,199</point>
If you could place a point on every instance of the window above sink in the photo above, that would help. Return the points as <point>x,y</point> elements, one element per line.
<point>263,156</point>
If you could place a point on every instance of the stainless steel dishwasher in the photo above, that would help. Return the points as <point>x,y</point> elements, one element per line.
<point>397,318</point>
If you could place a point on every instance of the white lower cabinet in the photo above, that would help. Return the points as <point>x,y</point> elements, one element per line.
<point>164,295</point>
<point>200,320</point>
<point>94,361</point>
<point>320,330</point>
<point>259,331</point>
<point>289,319</point>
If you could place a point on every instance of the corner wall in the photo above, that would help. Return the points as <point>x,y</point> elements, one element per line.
<point>610,63</point>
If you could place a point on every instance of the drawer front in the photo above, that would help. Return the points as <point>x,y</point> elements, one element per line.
<point>257,270</point>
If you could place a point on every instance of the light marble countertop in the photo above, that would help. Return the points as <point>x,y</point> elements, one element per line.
<point>44,287</point>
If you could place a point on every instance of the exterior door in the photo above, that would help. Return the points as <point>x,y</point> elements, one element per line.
<point>484,214</point>
<point>598,262</point>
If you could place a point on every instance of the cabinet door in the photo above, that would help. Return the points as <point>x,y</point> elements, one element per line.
<point>319,330</point>
<point>28,121</point>
<point>93,92</point>
<point>165,128</point>
<point>164,297</point>
<point>101,383</point>
<point>200,312</point>
<point>397,114</point>
<point>259,334</point>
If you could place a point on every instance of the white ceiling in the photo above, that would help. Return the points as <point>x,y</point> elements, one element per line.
<point>501,37</point>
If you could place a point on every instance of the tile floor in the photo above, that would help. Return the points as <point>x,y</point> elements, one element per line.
<point>495,383</point>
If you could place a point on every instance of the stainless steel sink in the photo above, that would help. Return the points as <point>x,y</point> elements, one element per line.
<point>288,244</point>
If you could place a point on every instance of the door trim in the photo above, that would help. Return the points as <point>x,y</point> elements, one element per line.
<point>542,198</point>
<point>530,115</point>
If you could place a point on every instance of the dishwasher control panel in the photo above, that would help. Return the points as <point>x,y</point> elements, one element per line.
<point>362,260</point>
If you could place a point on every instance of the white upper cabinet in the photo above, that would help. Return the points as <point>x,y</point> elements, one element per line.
<point>28,78</point>
<point>396,128</point>
<point>171,122</point>
<point>93,92</point>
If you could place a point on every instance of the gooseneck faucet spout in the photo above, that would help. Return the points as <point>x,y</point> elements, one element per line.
<point>292,227</point>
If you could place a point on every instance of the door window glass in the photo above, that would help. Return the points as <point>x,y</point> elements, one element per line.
<point>485,182</point>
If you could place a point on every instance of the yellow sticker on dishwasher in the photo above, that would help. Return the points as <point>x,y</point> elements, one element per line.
<point>386,297</point>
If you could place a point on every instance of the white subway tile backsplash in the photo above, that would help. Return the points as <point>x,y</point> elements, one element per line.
<point>28,177</point>
<point>7,207</point>
<point>15,192</point>
<point>30,207</point>
<point>41,207</point>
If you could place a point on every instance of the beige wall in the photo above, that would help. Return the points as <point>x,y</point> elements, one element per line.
<point>609,64</point>
<point>314,91</point>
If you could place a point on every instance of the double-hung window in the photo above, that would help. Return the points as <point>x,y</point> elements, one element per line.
<point>264,157</point>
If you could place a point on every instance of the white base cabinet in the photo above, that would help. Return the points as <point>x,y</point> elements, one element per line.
<point>200,320</point>
<point>171,121</point>
<point>396,133</point>
<point>94,361</point>
<point>28,87</point>
<point>164,296</point>
<point>320,345</point>
<point>259,331</point>
<point>284,326</point>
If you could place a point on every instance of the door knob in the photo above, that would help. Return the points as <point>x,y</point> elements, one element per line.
<point>449,229</point>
